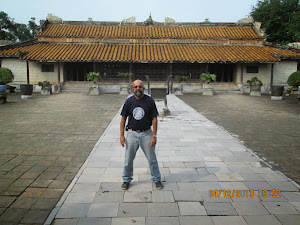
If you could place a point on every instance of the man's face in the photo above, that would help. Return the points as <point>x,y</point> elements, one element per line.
<point>138,89</point>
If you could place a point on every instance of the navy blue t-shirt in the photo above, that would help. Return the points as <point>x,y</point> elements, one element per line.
<point>140,112</point>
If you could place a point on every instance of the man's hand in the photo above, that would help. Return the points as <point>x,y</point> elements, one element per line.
<point>153,142</point>
<point>122,140</point>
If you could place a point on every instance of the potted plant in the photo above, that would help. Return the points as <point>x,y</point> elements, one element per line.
<point>46,87</point>
<point>178,88</point>
<point>126,76</point>
<point>6,76</point>
<point>95,77</point>
<point>207,87</point>
<point>255,86</point>
<point>125,88</point>
<point>294,80</point>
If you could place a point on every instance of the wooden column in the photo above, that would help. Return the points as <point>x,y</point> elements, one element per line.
<point>58,72</point>
<point>27,65</point>
<point>272,74</point>
<point>131,70</point>
<point>77,71</point>
<point>242,77</point>
<point>170,69</point>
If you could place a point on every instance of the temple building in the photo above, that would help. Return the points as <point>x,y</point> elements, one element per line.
<point>65,51</point>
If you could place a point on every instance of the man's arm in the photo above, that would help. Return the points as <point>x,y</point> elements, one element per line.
<point>154,132</point>
<point>122,125</point>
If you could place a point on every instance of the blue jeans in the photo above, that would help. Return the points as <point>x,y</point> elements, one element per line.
<point>133,141</point>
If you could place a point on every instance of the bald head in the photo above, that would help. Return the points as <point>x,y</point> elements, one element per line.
<point>137,83</point>
<point>138,89</point>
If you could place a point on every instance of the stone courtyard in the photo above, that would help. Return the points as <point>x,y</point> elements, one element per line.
<point>61,162</point>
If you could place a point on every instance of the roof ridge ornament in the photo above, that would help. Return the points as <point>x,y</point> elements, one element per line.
<point>53,19</point>
<point>169,21</point>
<point>149,21</point>
<point>128,21</point>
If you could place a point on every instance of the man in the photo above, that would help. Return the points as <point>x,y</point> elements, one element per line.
<point>142,113</point>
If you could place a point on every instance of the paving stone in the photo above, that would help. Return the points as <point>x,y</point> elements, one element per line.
<point>24,203</point>
<point>94,221</point>
<point>141,186</point>
<point>132,210</point>
<point>110,186</point>
<point>162,196</point>
<point>257,185</point>
<point>283,186</point>
<point>280,208</point>
<point>12,215</point>
<point>163,209</point>
<point>45,203</point>
<point>228,220</point>
<point>229,177</point>
<point>109,197</point>
<point>35,216</point>
<point>191,209</point>
<point>183,171</point>
<point>187,196</point>
<point>162,221</point>
<point>65,221</point>
<point>272,177</point>
<point>249,208</point>
<point>262,220</point>
<point>218,170</point>
<point>288,219</point>
<point>80,197</point>
<point>73,211</point>
<point>206,186</point>
<point>103,210</point>
<point>138,196</point>
<point>219,209</point>
<point>195,220</point>
<point>291,196</point>
<point>128,221</point>
<point>6,201</point>
<point>86,187</point>
<point>296,205</point>
<point>251,177</point>
<point>185,186</point>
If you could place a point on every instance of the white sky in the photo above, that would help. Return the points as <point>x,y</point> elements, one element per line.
<point>117,10</point>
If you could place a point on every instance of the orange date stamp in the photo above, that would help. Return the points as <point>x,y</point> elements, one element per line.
<point>243,193</point>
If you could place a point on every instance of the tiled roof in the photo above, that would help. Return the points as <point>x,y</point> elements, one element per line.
<point>148,53</point>
<point>150,32</point>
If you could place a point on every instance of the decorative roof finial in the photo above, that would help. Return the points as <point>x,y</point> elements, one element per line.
<point>149,21</point>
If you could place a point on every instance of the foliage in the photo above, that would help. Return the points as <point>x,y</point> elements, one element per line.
<point>181,78</point>
<point>16,31</point>
<point>254,81</point>
<point>294,79</point>
<point>124,75</point>
<point>6,76</point>
<point>44,84</point>
<point>93,76</point>
<point>280,19</point>
<point>207,77</point>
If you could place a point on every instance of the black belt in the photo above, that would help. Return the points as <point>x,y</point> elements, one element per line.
<point>139,131</point>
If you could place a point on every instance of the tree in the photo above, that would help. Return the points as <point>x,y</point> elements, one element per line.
<point>9,30</point>
<point>280,18</point>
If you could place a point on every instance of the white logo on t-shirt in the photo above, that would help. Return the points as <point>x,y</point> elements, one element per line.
<point>138,113</point>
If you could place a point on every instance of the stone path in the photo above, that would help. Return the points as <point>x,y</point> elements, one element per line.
<point>209,177</point>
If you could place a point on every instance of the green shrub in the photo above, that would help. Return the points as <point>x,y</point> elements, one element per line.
<point>207,77</point>
<point>93,76</point>
<point>44,84</point>
<point>254,81</point>
<point>124,75</point>
<point>6,76</point>
<point>294,79</point>
<point>181,78</point>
